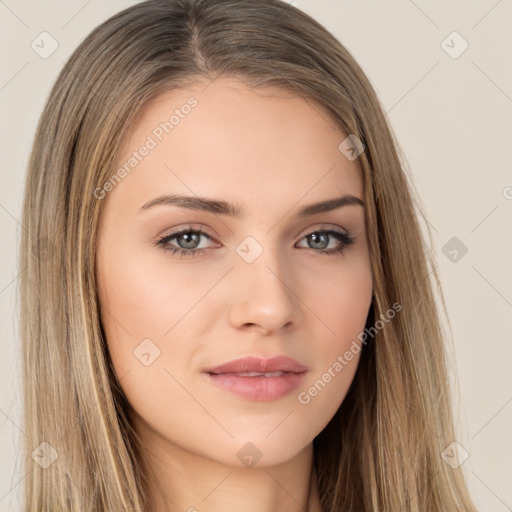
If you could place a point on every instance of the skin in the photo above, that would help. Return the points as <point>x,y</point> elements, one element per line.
<point>272,153</point>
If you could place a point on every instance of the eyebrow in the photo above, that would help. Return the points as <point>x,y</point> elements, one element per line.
<point>235,210</point>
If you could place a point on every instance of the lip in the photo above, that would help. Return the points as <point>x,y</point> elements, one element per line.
<point>235,376</point>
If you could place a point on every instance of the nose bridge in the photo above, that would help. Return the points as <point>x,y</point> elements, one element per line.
<point>261,262</point>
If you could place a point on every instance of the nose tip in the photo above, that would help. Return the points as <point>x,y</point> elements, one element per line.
<point>262,297</point>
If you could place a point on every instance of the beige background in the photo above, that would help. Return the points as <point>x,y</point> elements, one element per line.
<point>453,119</point>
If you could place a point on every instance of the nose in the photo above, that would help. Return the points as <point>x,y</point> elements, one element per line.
<point>264,298</point>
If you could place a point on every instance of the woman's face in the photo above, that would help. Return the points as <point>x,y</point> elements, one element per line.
<point>257,271</point>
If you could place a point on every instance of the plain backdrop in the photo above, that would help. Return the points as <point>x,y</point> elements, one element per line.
<point>442,72</point>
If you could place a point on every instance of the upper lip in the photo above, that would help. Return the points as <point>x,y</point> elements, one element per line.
<point>258,364</point>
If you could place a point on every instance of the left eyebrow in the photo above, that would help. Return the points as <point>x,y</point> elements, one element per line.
<point>330,204</point>
<point>235,210</point>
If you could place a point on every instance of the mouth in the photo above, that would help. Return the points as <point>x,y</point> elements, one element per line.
<point>258,379</point>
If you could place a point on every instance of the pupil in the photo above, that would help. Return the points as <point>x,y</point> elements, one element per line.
<point>191,240</point>
<point>319,239</point>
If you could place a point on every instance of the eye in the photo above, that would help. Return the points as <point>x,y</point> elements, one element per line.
<point>187,242</point>
<point>323,240</point>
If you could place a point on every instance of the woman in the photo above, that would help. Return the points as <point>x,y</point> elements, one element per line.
<point>237,310</point>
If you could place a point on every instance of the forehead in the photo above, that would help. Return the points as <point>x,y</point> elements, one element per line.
<point>225,138</point>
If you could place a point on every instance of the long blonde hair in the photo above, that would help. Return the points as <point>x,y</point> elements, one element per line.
<point>382,449</point>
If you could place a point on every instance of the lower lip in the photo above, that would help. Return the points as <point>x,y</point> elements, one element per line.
<point>263,389</point>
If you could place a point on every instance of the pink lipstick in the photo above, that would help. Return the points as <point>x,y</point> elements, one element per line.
<point>258,379</point>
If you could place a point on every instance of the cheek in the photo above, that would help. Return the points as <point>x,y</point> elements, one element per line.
<point>339,295</point>
<point>341,305</point>
<point>140,305</point>
<point>143,299</point>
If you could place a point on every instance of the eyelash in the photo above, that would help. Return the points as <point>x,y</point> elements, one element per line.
<point>345,238</point>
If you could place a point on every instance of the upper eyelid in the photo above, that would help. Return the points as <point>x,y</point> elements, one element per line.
<point>179,231</point>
